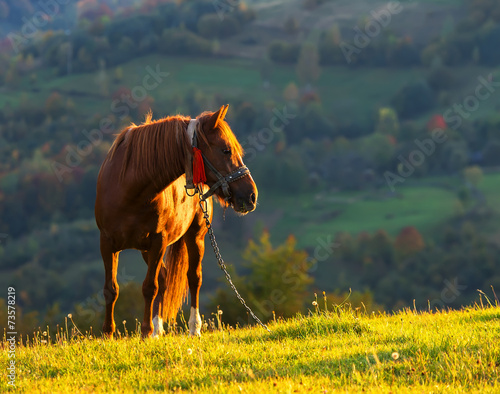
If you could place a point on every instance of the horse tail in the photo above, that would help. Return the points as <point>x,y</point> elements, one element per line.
<point>176,283</point>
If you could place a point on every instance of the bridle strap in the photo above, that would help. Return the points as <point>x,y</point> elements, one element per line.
<point>223,181</point>
<point>191,131</point>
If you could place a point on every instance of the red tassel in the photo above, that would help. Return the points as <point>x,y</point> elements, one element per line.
<point>198,167</point>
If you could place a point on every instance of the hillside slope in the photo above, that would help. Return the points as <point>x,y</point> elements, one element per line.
<point>407,352</point>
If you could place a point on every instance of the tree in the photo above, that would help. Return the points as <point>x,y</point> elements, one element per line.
<point>54,105</point>
<point>4,10</point>
<point>102,78</point>
<point>211,26</point>
<point>408,242</point>
<point>329,47</point>
<point>291,92</point>
<point>414,99</point>
<point>473,175</point>
<point>388,123</point>
<point>278,281</point>
<point>441,78</point>
<point>379,149</point>
<point>308,69</point>
<point>291,25</point>
<point>282,52</point>
<point>491,153</point>
<point>118,77</point>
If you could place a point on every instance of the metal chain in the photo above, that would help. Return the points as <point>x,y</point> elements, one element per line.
<point>203,206</point>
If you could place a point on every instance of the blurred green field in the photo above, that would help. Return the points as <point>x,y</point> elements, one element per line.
<point>345,93</point>
<point>310,217</point>
<point>425,204</point>
<point>490,186</point>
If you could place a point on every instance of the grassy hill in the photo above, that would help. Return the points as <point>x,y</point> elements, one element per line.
<point>448,351</point>
<point>345,93</point>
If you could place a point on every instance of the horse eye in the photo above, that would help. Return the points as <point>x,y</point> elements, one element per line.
<point>226,151</point>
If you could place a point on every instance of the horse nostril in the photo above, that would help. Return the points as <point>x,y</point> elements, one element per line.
<point>252,198</point>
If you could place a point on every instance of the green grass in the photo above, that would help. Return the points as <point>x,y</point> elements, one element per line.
<point>425,203</point>
<point>454,351</point>
<point>490,186</point>
<point>311,216</point>
<point>345,93</point>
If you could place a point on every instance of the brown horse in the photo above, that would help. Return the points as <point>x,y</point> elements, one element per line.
<point>143,203</point>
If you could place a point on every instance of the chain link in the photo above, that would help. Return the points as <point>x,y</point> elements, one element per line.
<point>204,207</point>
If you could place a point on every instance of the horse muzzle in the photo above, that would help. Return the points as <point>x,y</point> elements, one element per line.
<point>244,205</point>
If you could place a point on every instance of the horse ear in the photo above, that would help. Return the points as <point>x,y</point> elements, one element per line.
<point>223,114</point>
<point>218,116</point>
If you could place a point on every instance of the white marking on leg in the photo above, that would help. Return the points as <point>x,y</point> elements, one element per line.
<point>158,327</point>
<point>195,322</point>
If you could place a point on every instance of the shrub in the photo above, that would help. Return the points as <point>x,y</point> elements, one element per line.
<point>283,52</point>
<point>441,78</point>
<point>414,99</point>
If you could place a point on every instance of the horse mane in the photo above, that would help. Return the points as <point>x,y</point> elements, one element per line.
<point>153,148</point>
<point>159,147</point>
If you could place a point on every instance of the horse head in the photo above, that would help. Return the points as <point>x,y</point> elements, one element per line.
<point>227,176</point>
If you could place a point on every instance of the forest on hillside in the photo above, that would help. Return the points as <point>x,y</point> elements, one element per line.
<point>345,122</point>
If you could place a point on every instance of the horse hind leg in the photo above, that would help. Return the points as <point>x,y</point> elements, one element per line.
<point>158,301</point>
<point>150,285</point>
<point>111,288</point>
<point>175,280</point>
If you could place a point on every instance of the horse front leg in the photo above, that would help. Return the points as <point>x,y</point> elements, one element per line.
<point>111,288</point>
<point>150,285</point>
<point>196,249</point>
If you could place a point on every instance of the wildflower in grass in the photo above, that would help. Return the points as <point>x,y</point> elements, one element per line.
<point>124,322</point>
<point>219,312</point>
<point>70,316</point>
<point>395,355</point>
<point>44,333</point>
<point>190,351</point>
<point>315,303</point>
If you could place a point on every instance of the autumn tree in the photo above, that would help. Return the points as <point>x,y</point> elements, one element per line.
<point>278,281</point>
<point>408,242</point>
<point>291,92</point>
<point>388,122</point>
<point>473,175</point>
